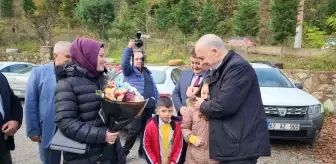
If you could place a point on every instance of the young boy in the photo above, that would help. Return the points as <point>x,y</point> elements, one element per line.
<point>163,139</point>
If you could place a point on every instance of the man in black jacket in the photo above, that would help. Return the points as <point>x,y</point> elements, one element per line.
<point>11,114</point>
<point>238,131</point>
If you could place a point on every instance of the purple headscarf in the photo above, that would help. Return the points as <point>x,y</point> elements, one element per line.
<point>84,52</point>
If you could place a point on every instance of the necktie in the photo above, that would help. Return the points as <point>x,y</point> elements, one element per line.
<point>197,81</point>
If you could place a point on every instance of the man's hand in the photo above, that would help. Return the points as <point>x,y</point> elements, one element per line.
<point>183,110</point>
<point>198,102</point>
<point>131,43</point>
<point>36,139</point>
<point>199,142</point>
<point>10,128</point>
<point>191,91</point>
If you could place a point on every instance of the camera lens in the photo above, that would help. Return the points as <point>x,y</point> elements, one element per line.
<point>138,43</point>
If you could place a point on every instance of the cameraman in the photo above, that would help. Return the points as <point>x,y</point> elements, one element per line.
<point>137,75</point>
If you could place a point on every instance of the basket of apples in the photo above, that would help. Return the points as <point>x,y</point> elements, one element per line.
<point>121,104</point>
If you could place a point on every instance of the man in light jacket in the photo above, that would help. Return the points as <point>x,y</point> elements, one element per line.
<point>40,104</point>
<point>137,75</point>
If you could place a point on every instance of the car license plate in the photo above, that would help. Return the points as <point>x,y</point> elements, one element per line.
<point>282,126</point>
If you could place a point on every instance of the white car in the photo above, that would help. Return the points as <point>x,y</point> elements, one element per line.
<point>165,78</point>
<point>291,112</point>
<point>18,81</point>
<point>9,67</point>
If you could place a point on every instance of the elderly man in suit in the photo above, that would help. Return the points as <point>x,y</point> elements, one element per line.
<point>237,119</point>
<point>40,105</point>
<point>188,78</point>
<point>11,114</point>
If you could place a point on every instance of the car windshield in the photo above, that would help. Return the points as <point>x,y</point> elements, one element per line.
<point>272,77</point>
<point>26,70</point>
<point>158,76</point>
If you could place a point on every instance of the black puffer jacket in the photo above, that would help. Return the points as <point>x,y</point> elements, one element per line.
<point>77,117</point>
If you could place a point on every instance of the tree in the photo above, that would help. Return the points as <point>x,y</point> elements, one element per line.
<point>226,10</point>
<point>247,18</point>
<point>96,15</point>
<point>186,17</point>
<point>123,27</point>
<point>331,22</point>
<point>209,19</point>
<point>28,6</point>
<point>264,12</point>
<point>163,16</point>
<point>283,20</point>
<point>141,15</point>
<point>42,17</point>
<point>6,9</point>
<point>331,10</point>
<point>67,14</point>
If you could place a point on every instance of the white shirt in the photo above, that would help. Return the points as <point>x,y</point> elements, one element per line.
<point>1,108</point>
<point>163,123</point>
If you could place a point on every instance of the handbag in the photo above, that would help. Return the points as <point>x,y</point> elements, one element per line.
<point>63,143</point>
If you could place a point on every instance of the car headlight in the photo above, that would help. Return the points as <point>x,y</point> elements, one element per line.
<point>314,110</point>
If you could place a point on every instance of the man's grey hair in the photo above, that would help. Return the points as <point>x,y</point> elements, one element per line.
<point>61,46</point>
<point>211,40</point>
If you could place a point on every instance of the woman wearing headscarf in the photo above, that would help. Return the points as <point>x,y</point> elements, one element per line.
<point>77,105</point>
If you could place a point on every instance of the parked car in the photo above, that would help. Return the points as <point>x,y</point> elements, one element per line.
<point>9,67</point>
<point>165,78</point>
<point>240,41</point>
<point>292,113</point>
<point>18,81</point>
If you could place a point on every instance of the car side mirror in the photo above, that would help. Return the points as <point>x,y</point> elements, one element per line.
<point>299,85</point>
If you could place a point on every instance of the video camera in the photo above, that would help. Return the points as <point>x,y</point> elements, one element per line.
<point>138,41</point>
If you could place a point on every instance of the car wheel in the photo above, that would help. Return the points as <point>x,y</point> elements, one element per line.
<point>313,141</point>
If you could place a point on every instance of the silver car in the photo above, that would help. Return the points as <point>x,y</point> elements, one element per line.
<point>18,81</point>
<point>10,67</point>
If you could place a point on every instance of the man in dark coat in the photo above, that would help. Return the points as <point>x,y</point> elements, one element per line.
<point>238,131</point>
<point>11,114</point>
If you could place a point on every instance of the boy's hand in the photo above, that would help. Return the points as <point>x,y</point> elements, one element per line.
<point>199,142</point>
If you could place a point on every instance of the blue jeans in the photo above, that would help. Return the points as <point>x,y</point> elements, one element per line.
<point>49,156</point>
